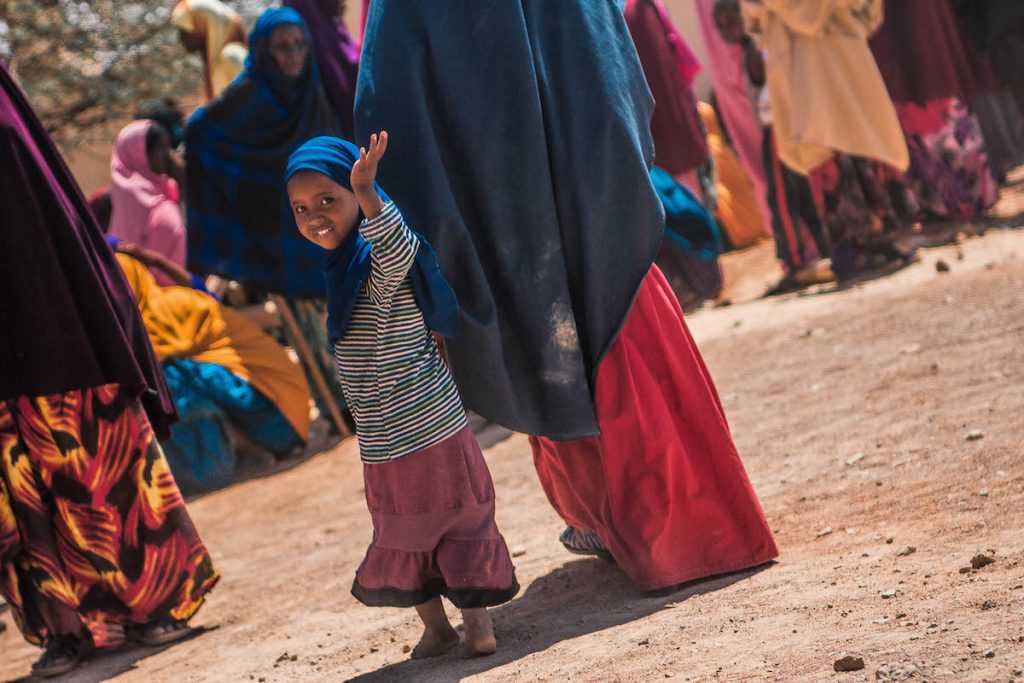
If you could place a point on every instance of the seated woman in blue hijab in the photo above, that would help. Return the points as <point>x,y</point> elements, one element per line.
<point>239,223</point>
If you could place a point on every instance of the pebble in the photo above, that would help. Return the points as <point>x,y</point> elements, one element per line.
<point>941,266</point>
<point>989,604</point>
<point>854,459</point>
<point>825,532</point>
<point>906,550</point>
<point>848,663</point>
<point>891,593</point>
<point>1018,671</point>
<point>983,493</point>
<point>988,654</point>
<point>965,570</point>
<point>406,649</point>
<point>910,349</point>
<point>975,435</point>
<point>518,551</point>
<point>981,560</point>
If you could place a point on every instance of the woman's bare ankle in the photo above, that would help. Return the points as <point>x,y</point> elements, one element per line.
<point>480,640</point>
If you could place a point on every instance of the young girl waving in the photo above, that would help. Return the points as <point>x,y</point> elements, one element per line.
<point>427,486</point>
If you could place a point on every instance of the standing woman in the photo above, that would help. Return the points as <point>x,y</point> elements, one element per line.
<point>527,170</point>
<point>240,225</point>
<point>932,82</point>
<point>144,200</point>
<point>335,52</point>
<point>215,30</point>
<point>95,543</point>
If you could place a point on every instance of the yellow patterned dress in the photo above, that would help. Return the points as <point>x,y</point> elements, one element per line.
<point>93,530</point>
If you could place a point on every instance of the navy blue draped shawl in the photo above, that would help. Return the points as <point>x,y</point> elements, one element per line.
<point>526,147</point>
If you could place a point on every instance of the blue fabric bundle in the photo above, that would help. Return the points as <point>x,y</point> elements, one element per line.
<point>211,400</point>
<point>688,225</point>
<point>348,266</point>
<point>239,222</point>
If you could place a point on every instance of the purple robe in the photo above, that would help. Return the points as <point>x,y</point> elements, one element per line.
<point>69,319</point>
<point>336,54</point>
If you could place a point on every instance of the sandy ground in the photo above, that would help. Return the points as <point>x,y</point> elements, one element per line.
<point>852,409</point>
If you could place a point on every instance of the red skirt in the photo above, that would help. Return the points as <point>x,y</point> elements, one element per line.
<point>663,486</point>
<point>433,530</point>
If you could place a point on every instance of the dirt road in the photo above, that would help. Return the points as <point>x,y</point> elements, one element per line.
<point>852,410</point>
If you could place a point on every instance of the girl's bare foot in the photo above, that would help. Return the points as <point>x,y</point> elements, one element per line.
<point>480,640</point>
<point>438,635</point>
<point>433,644</point>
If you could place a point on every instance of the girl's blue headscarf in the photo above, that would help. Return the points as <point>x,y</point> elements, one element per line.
<point>348,266</point>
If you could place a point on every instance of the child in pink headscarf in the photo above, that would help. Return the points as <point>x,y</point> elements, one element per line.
<point>144,199</point>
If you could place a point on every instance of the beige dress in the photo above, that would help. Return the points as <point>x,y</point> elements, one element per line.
<point>827,94</point>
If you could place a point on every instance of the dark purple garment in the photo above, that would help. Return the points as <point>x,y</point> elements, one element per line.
<point>67,317</point>
<point>679,139</point>
<point>337,55</point>
<point>922,56</point>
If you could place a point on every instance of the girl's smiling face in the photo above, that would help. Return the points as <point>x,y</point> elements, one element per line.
<point>325,212</point>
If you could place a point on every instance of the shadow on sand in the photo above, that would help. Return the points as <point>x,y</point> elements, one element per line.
<point>579,598</point>
<point>107,666</point>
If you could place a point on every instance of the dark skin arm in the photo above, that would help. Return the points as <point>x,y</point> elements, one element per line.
<point>754,62</point>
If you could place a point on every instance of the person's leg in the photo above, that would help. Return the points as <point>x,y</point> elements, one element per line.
<point>480,639</point>
<point>438,635</point>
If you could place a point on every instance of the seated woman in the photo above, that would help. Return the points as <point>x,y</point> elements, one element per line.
<point>230,381</point>
<point>144,200</point>
<point>239,222</point>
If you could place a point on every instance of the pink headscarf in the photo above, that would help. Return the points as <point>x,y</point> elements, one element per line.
<point>145,206</point>
<point>728,74</point>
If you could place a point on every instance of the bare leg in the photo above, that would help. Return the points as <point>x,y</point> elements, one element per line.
<point>438,635</point>
<point>480,639</point>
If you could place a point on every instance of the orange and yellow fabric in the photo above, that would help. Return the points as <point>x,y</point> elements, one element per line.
<point>737,210</point>
<point>185,323</point>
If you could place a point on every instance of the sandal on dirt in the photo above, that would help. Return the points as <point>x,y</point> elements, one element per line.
<point>581,542</point>
<point>159,632</point>
<point>62,654</point>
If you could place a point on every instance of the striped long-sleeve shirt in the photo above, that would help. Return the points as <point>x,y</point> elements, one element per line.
<point>399,390</point>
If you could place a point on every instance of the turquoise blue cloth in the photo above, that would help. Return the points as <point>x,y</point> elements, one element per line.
<point>210,400</point>
<point>348,266</point>
<point>688,225</point>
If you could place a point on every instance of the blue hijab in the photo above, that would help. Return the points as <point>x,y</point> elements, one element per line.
<point>348,266</point>
<point>236,149</point>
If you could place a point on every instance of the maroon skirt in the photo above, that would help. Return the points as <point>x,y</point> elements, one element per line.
<point>433,531</point>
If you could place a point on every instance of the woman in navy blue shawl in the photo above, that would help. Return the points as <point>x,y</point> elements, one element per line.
<point>239,223</point>
<point>525,164</point>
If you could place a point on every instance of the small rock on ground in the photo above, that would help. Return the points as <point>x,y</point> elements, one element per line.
<point>848,663</point>
<point>981,560</point>
<point>906,550</point>
<point>974,435</point>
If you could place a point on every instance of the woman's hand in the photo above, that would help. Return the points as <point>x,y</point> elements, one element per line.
<point>364,175</point>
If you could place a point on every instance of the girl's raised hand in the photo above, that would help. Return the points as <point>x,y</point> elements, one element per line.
<point>364,171</point>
